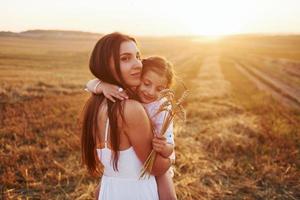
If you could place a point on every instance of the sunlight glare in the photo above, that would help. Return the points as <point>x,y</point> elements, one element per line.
<point>214,19</point>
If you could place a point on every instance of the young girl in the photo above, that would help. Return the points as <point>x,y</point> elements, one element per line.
<point>157,75</point>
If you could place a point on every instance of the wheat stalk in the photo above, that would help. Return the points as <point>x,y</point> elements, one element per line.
<point>172,108</point>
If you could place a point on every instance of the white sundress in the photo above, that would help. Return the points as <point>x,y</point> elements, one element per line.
<point>125,183</point>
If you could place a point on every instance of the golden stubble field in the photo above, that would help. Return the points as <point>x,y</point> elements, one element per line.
<point>241,139</point>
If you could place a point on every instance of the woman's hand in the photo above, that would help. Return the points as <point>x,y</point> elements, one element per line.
<point>111,92</point>
<point>161,146</point>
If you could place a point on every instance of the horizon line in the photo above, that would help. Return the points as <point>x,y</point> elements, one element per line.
<point>175,35</point>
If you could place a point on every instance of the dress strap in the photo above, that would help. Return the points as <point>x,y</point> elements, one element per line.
<point>106,132</point>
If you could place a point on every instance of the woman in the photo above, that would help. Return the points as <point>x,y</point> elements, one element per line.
<point>116,137</point>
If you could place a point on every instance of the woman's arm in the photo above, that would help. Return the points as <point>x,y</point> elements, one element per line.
<point>110,91</point>
<point>138,129</point>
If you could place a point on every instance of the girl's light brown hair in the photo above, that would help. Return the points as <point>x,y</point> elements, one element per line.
<point>160,66</point>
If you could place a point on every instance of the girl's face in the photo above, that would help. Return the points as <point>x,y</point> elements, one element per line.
<point>151,85</point>
<point>130,64</point>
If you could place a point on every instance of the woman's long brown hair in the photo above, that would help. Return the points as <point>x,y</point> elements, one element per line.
<point>106,48</point>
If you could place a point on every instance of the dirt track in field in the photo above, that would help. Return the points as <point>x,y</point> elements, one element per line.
<point>283,93</point>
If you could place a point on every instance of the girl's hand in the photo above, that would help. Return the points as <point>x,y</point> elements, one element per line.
<point>160,145</point>
<point>111,91</point>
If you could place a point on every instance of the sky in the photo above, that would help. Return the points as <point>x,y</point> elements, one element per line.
<point>154,17</point>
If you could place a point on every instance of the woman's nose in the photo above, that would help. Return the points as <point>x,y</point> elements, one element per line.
<point>138,63</point>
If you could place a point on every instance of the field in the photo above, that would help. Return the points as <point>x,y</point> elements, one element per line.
<point>241,139</point>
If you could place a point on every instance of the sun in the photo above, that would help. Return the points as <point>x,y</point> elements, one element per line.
<point>212,20</point>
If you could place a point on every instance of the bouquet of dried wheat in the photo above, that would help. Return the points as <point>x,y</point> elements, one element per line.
<point>172,108</point>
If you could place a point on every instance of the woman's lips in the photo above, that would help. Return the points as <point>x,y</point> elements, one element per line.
<point>136,74</point>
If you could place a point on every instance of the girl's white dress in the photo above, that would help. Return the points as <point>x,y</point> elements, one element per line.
<point>157,119</point>
<point>125,183</point>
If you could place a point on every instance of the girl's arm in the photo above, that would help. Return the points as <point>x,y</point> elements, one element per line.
<point>110,91</point>
<point>160,145</point>
<point>163,144</point>
<point>138,129</point>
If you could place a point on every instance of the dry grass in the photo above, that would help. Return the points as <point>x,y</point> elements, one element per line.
<point>238,143</point>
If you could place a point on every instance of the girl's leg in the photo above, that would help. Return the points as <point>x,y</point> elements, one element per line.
<point>165,185</point>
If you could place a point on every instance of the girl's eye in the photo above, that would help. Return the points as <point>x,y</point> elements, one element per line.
<point>160,89</point>
<point>146,83</point>
<point>138,56</point>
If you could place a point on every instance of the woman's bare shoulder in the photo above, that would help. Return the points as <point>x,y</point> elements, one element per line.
<point>134,112</point>
<point>132,106</point>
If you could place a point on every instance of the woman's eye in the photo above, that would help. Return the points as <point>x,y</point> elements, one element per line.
<point>125,58</point>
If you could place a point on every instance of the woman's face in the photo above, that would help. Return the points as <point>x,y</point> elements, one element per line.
<point>130,63</point>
